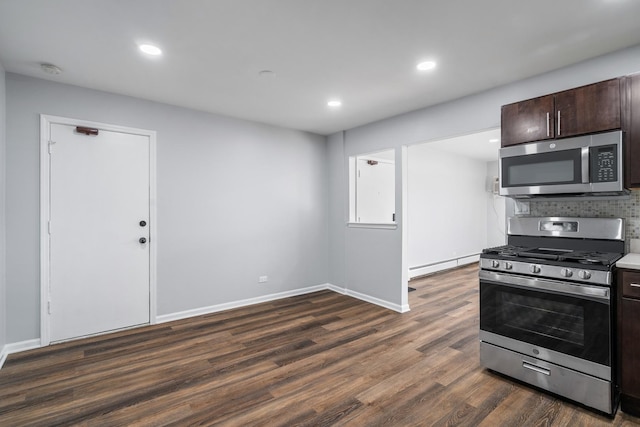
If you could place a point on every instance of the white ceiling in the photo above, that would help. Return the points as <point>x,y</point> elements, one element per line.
<point>361,51</point>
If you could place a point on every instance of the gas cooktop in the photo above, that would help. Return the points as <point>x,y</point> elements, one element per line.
<point>605,259</point>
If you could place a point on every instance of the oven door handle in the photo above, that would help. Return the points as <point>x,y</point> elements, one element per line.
<point>563,288</point>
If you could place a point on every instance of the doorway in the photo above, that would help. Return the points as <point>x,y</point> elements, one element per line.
<point>454,209</point>
<point>97,228</point>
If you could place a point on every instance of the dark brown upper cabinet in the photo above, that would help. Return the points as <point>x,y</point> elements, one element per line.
<point>527,121</point>
<point>586,109</point>
<point>632,126</point>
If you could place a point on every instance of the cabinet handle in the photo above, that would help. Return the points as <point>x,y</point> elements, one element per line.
<point>535,368</point>
<point>558,123</point>
<point>634,285</point>
<point>548,116</point>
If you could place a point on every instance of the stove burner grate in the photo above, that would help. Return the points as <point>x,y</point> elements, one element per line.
<point>591,258</point>
<point>547,254</point>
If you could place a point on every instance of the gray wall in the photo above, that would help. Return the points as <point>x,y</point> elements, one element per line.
<point>235,200</point>
<point>3,299</point>
<point>374,264</point>
<point>238,199</point>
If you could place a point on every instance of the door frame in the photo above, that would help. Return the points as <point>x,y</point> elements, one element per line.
<point>45,122</point>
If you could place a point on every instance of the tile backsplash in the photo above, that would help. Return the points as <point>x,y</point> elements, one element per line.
<point>622,208</point>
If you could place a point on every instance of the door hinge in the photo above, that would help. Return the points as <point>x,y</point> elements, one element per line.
<point>50,144</point>
<point>49,306</point>
<point>49,227</point>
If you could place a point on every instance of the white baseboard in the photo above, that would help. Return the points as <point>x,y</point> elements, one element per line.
<point>237,304</point>
<point>17,347</point>
<point>35,343</point>
<point>377,301</point>
<point>336,289</point>
<point>272,297</point>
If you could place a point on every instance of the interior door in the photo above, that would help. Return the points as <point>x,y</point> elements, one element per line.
<point>99,231</point>
<point>375,192</point>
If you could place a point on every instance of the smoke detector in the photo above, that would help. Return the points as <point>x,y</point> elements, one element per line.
<point>50,68</point>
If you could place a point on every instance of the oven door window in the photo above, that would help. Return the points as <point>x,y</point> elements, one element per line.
<point>556,168</point>
<point>570,325</point>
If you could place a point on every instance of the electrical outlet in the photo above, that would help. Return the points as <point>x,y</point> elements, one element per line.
<point>263,279</point>
<point>522,208</point>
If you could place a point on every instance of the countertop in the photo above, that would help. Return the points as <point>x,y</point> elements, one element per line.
<point>630,261</point>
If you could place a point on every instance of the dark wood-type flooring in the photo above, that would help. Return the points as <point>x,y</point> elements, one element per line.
<point>318,360</point>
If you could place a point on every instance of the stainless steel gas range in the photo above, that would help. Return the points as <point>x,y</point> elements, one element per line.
<point>547,314</point>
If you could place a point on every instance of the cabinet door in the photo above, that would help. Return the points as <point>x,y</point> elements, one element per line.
<point>527,121</point>
<point>629,347</point>
<point>631,284</point>
<point>632,163</point>
<point>588,109</point>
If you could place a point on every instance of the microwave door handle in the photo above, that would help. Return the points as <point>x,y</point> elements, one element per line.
<point>584,155</point>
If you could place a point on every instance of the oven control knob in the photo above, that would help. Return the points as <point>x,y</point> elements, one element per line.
<point>495,263</point>
<point>534,269</point>
<point>566,272</point>
<point>508,266</point>
<point>584,274</point>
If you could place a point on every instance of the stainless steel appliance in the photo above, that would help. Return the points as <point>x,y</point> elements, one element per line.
<point>547,313</point>
<point>585,165</point>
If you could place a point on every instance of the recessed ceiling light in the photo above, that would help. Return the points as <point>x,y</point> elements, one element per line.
<point>494,140</point>
<point>426,65</point>
<point>150,49</point>
<point>334,103</point>
<point>50,68</point>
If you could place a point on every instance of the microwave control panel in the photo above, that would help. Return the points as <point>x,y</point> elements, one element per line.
<point>604,164</point>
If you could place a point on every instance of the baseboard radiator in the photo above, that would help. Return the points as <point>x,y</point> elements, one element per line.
<point>423,270</point>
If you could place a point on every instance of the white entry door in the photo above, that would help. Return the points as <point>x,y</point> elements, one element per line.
<point>99,235</point>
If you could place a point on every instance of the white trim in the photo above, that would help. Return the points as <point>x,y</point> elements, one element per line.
<point>272,297</point>
<point>44,216</point>
<point>153,229</point>
<point>237,304</point>
<point>36,343</point>
<point>45,123</point>
<point>381,226</point>
<point>336,289</point>
<point>404,231</point>
<point>17,347</point>
<point>377,301</point>
<point>3,355</point>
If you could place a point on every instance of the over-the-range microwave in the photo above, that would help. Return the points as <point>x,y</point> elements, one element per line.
<point>584,165</point>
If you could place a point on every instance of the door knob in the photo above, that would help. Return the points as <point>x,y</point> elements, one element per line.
<point>143,223</point>
<point>142,240</point>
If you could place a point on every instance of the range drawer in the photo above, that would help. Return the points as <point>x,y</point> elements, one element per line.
<point>630,284</point>
<point>574,385</point>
